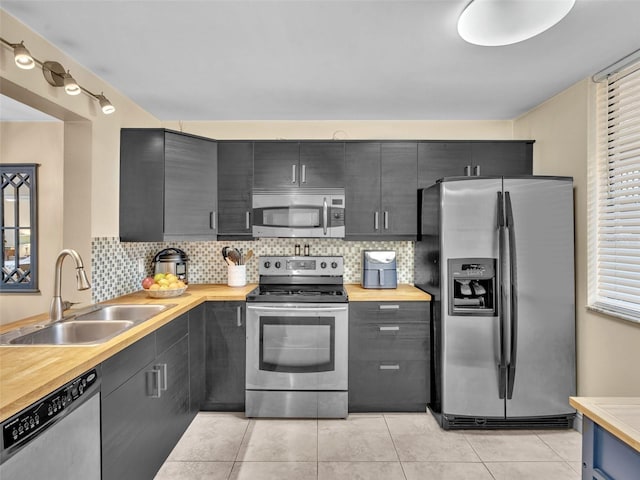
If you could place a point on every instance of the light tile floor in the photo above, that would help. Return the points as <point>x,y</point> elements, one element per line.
<point>397,446</point>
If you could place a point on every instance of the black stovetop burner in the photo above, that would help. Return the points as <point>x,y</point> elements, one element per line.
<point>298,293</point>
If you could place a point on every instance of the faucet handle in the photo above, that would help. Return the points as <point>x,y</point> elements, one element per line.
<point>66,305</point>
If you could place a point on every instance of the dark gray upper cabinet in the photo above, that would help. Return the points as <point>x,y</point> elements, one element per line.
<point>235,182</point>
<point>282,164</point>
<point>168,186</point>
<point>321,165</point>
<point>503,158</point>
<point>450,159</point>
<point>381,190</point>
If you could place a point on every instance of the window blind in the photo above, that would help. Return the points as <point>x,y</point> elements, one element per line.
<point>617,235</point>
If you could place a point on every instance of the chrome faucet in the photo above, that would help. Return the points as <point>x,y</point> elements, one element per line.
<point>57,305</point>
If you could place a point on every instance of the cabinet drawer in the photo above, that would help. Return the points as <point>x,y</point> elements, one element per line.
<point>125,364</point>
<point>388,386</point>
<point>389,341</point>
<point>170,333</point>
<point>361,313</point>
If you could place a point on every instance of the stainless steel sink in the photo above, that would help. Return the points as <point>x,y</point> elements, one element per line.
<point>133,313</point>
<point>74,333</point>
<point>90,326</point>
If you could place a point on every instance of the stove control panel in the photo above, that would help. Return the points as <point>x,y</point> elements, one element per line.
<point>305,265</point>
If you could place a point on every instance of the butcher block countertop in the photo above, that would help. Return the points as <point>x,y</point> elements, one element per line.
<point>28,373</point>
<point>404,293</point>
<point>620,416</point>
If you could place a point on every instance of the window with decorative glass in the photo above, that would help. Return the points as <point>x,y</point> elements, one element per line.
<point>19,229</point>
<point>615,193</point>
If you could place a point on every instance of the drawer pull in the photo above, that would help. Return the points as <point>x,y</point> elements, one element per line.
<point>394,328</point>
<point>389,367</point>
<point>389,307</point>
<point>162,377</point>
<point>153,383</point>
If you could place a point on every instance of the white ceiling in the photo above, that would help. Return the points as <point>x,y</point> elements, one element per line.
<point>324,60</point>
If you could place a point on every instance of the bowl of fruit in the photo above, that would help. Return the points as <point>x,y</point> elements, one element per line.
<point>163,285</point>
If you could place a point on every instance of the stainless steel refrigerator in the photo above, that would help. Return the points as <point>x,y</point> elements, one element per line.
<point>497,256</point>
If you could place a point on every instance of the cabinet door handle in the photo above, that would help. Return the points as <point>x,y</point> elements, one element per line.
<point>153,383</point>
<point>375,221</point>
<point>389,367</point>
<point>304,174</point>
<point>248,220</point>
<point>212,220</point>
<point>394,328</point>
<point>293,173</point>
<point>239,315</point>
<point>162,376</point>
<point>389,307</point>
<point>386,220</point>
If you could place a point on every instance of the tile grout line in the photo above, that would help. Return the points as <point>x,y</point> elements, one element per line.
<point>478,455</point>
<point>235,460</point>
<point>384,416</point>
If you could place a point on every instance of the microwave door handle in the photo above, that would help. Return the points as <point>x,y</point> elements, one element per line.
<point>325,213</point>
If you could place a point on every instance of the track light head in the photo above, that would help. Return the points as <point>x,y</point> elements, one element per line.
<point>70,85</point>
<point>22,57</point>
<point>105,104</point>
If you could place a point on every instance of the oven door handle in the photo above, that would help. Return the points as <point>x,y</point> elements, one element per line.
<point>289,307</point>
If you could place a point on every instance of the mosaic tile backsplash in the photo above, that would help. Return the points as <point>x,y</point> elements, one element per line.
<point>114,264</point>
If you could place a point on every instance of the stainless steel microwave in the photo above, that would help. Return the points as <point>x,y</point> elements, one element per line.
<point>305,214</point>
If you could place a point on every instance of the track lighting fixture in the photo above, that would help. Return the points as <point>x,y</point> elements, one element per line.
<point>55,75</point>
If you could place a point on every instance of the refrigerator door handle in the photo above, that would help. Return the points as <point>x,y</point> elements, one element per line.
<point>513,314</point>
<point>502,364</point>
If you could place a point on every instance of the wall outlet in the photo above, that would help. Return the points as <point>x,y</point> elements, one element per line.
<point>141,265</point>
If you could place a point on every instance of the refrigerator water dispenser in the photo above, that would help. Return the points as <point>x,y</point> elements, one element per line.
<point>472,286</point>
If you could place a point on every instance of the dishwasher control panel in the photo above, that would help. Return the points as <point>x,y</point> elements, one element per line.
<point>41,414</point>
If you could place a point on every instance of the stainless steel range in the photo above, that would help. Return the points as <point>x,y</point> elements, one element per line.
<point>297,339</point>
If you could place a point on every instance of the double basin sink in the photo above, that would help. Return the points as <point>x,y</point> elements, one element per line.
<point>88,327</point>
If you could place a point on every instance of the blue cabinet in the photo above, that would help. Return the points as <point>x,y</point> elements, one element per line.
<point>606,457</point>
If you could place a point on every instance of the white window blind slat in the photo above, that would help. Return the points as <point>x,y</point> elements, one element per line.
<point>617,230</point>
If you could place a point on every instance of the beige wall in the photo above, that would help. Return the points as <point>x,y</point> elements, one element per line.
<point>40,143</point>
<point>608,349</point>
<point>349,130</point>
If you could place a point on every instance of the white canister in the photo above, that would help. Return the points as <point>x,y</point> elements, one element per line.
<point>236,275</point>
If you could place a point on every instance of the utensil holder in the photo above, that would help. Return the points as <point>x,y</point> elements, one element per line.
<point>236,275</point>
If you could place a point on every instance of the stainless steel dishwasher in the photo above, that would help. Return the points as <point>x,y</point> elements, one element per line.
<point>56,438</point>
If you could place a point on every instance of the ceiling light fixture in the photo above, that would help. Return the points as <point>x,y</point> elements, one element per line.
<point>494,23</point>
<point>55,75</point>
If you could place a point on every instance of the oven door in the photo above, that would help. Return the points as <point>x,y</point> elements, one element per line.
<point>297,346</point>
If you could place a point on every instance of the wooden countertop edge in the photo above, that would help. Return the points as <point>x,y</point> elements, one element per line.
<point>53,361</point>
<point>595,408</point>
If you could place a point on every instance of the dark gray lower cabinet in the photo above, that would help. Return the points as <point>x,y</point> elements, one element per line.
<point>196,357</point>
<point>225,347</point>
<point>145,407</point>
<point>388,356</point>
